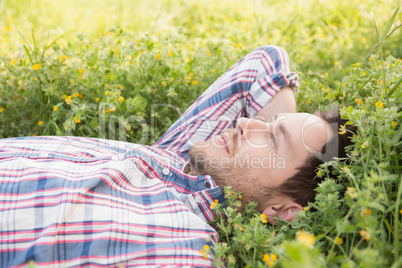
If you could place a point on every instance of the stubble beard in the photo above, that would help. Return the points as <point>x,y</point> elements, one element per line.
<point>225,175</point>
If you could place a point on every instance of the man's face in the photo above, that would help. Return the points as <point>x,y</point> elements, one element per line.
<point>257,155</point>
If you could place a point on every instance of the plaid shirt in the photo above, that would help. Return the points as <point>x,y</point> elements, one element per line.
<point>74,201</point>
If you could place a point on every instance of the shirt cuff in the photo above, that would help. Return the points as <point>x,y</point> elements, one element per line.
<point>265,88</point>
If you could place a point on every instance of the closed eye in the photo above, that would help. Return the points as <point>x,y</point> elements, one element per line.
<point>274,140</point>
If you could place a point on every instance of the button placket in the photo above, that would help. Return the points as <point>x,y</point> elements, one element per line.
<point>198,199</point>
<point>166,171</point>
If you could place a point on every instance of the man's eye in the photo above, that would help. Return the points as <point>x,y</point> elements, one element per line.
<point>274,141</point>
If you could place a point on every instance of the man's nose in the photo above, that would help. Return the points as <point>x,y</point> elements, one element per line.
<point>246,127</point>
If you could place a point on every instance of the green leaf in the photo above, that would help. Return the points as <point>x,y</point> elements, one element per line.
<point>28,53</point>
<point>395,87</point>
<point>388,27</point>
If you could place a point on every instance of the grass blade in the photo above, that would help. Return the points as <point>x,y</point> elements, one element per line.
<point>389,24</point>
<point>395,87</point>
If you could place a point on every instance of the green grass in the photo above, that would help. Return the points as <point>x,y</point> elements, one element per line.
<point>107,66</point>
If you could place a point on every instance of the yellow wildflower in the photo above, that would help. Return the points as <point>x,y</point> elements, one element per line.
<point>164,84</point>
<point>213,70</point>
<point>77,120</point>
<point>113,109</point>
<point>103,32</point>
<point>55,108</point>
<point>40,123</point>
<point>75,95</point>
<point>359,102</point>
<point>157,56</point>
<point>36,66</point>
<point>121,99</point>
<point>365,235</point>
<point>305,238</point>
<point>116,51</point>
<point>342,130</point>
<point>121,87</point>
<point>379,104</point>
<point>367,211</point>
<point>336,62</point>
<point>97,99</point>
<point>1,109</point>
<point>394,124</point>
<point>107,110</point>
<point>339,240</point>
<point>370,59</point>
<point>195,82</point>
<point>240,196</point>
<point>214,204</point>
<point>270,263</point>
<point>273,256</point>
<point>308,102</point>
<point>206,247</point>
<point>263,218</point>
<point>363,40</point>
<point>68,100</point>
<point>107,92</point>
<point>81,96</point>
<point>266,257</point>
<point>35,79</point>
<point>364,145</point>
<point>13,62</point>
<point>204,254</point>
<point>116,93</point>
<point>319,173</point>
<point>400,211</point>
<point>82,70</point>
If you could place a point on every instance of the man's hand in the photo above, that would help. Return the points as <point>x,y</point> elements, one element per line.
<point>283,102</point>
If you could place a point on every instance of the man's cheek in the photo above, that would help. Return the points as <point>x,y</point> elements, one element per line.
<point>225,163</point>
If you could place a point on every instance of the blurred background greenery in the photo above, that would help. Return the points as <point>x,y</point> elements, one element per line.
<point>116,43</point>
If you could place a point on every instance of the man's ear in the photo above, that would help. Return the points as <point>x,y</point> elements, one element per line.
<point>285,212</point>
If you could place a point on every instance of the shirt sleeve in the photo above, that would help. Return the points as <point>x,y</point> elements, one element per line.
<point>242,91</point>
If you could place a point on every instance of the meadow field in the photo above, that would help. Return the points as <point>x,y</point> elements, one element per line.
<point>126,70</point>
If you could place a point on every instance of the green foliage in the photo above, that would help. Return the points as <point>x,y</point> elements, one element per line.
<point>131,75</point>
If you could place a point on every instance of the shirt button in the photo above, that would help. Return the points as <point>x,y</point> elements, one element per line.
<point>207,184</point>
<point>197,199</point>
<point>166,171</point>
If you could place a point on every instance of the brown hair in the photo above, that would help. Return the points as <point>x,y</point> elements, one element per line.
<point>300,187</point>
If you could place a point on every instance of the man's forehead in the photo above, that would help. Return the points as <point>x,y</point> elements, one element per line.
<point>315,133</point>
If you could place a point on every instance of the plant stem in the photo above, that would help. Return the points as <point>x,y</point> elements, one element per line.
<point>396,228</point>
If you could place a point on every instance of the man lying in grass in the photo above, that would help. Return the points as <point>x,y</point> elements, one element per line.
<point>73,201</point>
